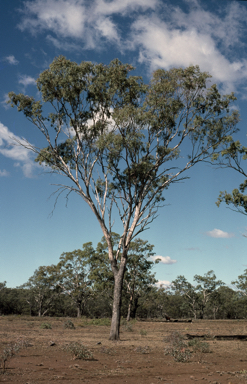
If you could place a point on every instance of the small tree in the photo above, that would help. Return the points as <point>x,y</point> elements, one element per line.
<point>41,290</point>
<point>117,140</point>
<point>138,277</point>
<point>241,283</point>
<point>182,287</point>
<point>71,276</point>
<point>206,287</point>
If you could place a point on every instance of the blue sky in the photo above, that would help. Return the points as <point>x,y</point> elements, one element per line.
<point>191,235</point>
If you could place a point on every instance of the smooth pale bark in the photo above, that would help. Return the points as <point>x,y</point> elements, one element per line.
<point>116,307</point>
<point>78,312</point>
<point>130,303</point>
<point>129,309</point>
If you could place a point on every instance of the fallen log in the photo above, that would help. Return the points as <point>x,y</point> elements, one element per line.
<point>217,337</point>
<point>180,320</point>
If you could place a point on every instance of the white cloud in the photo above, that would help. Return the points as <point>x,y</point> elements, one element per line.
<point>11,60</point>
<point>11,149</point>
<point>26,80</point>
<point>4,102</point>
<point>3,173</point>
<point>79,19</point>
<point>162,35</point>
<point>162,283</point>
<point>164,259</point>
<point>165,45</point>
<point>218,233</point>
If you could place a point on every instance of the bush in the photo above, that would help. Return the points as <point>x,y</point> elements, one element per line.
<point>143,332</point>
<point>69,324</point>
<point>11,350</point>
<point>177,348</point>
<point>45,326</point>
<point>199,346</point>
<point>79,351</point>
<point>104,321</point>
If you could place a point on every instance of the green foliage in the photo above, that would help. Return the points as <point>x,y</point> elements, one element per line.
<point>206,287</point>
<point>143,332</point>
<point>123,133</point>
<point>199,346</point>
<point>118,141</point>
<point>71,276</point>
<point>69,324</point>
<point>79,351</point>
<point>232,156</point>
<point>177,348</point>
<point>41,290</point>
<point>103,321</point>
<point>45,326</point>
<point>241,283</point>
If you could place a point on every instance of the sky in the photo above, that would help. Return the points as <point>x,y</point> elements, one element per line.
<point>191,235</point>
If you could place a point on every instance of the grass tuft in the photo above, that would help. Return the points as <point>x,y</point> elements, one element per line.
<point>69,324</point>
<point>45,326</point>
<point>79,351</point>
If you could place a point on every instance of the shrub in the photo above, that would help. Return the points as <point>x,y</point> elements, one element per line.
<point>143,350</point>
<point>12,349</point>
<point>104,321</point>
<point>143,332</point>
<point>199,346</point>
<point>69,324</point>
<point>45,326</point>
<point>128,327</point>
<point>79,351</point>
<point>177,348</point>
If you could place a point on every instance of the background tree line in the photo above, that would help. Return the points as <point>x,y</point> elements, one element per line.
<point>82,284</point>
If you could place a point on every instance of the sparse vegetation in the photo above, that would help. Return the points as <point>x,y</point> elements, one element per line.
<point>104,321</point>
<point>177,347</point>
<point>199,346</point>
<point>69,324</point>
<point>143,332</point>
<point>79,351</point>
<point>143,350</point>
<point>11,350</point>
<point>45,326</point>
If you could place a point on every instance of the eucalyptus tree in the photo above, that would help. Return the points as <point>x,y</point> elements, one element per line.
<point>117,140</point>
<point>241,283</point>
<point>206,287</point>
<point>138,276</point>
<point>181,286</point>
<point>233,156</point>
<point>3,285</point>
<point>41,290</point>
<point>71,276</point>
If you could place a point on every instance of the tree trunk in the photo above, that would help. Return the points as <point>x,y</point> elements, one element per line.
<point>135,307</point>
<point>78,312</point>
<point>116,307</point>
<point>130,303</point>
<point>129,308</point>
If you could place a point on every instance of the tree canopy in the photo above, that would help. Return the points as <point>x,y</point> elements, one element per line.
<point>120,142</point>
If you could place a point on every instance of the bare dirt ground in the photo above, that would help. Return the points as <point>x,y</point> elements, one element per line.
<point>138,358</point>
